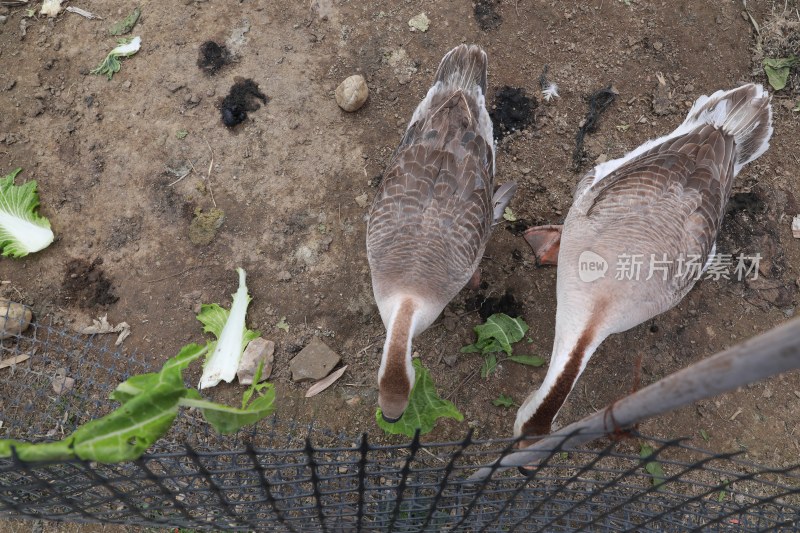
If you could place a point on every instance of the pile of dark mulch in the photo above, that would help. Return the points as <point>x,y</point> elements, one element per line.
<point>511,111</point>
<point>242,99</point>
<point>212,57</point>
<point>488,306</point>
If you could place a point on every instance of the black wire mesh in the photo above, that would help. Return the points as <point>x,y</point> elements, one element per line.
<point>278,477</point>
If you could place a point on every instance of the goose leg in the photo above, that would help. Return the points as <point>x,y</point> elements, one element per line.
<point>545,241</point>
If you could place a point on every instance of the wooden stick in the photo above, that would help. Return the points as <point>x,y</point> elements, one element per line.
<point>773,352</point>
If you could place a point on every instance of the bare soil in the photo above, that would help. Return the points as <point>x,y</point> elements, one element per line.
<point>122,188</point>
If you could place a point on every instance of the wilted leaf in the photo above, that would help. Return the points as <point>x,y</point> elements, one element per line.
<point>325,382</point>
<point>509,215</point>
<point>125,25</point>
<point>704,434</point>
<point>530,360</point>
<point>424,407</point>
<point>503,401</point>
<point>778,69</point>
<point>489,365</point>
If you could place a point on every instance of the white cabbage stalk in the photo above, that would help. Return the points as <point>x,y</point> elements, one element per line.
<point>224,360</point>
<point>128,49</point>
<point>22,230</point>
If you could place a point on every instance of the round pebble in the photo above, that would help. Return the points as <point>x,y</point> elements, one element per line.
<point>352,93</point>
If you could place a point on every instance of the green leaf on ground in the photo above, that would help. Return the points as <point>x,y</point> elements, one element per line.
<point>181,134</point>
<point>509,215</point>
<point>530,360</point>
<point>424,407</point>
<point>213,317</point>
<point>498,334</point>
<point>282,324</point>
<point>722,491</point>
<point>652,467</point>
<point>503,401</point>
<point>704,434</point>
<point>778,69</point>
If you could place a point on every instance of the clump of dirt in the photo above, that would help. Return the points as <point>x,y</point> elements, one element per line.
<point>204,226</point>
<point>212,57</point>
<point>511,111</point>
<point>488,306</point>
<point>86,284</point>
<point>241,99</point>
<point>125,230</point>
<point>599,101</point>
<point>486,14</point>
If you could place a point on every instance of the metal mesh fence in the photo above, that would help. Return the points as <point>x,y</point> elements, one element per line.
<point>283,476</point>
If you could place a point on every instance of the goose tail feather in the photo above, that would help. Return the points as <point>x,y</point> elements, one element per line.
<point>744,112</point>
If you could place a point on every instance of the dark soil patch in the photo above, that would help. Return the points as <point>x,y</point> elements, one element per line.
<point>750,202</point>
<point>212,57</point>
<point>241,99</point>
<point>86,284</point>
<point>511,111</point>
<point>488,306</point>
<point>125,230</point>
<point>486,15</point>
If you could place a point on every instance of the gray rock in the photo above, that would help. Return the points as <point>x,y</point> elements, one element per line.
<point>257,350</point>
<point>314,362</point>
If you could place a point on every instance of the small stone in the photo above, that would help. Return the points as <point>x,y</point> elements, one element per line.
<point>657,46</point>
<point>450,360</point>
<point>314,362</point>
<point>352,93</point>
<point>61,382</point>
<point>14,318</point>
<point>767,394</point>
<point>258,350</point>
<point>284,275</point>
<point>362,200</point>
<point>796,227</point>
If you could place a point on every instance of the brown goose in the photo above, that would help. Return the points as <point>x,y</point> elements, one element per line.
<point>662,203</point>
<point>432,215</point>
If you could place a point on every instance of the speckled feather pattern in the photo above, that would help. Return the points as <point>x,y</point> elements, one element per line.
<point>432,216</point>
<point>668,201</point>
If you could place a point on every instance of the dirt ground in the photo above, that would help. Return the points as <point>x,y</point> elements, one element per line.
<point>291,181</point>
